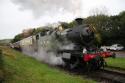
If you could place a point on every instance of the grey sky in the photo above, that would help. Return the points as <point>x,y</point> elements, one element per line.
<point>16,15</point>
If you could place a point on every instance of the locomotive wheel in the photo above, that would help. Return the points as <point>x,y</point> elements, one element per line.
<point>72,63</point>
<point>96,63</point>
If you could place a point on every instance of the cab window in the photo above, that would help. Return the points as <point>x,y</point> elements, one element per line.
<point>42,33</point>
<point>37,37</point>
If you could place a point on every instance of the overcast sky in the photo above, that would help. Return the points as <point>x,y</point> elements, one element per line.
<point>16,15</point>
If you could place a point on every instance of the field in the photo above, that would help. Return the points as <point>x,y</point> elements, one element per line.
<point>116,62</point>
<point>5,41</point>
<point>23,69</point>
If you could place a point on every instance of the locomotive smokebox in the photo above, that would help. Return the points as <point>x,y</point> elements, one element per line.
<point>79,21</point>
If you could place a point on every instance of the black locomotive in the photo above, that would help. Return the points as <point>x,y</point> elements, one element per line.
<point>82,38</point>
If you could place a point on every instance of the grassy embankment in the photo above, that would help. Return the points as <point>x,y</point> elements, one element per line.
<point>23,69</point>
<point>116,62</point>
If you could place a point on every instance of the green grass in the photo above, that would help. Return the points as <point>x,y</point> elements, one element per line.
<point>116,62</point>
<point>24,69</point>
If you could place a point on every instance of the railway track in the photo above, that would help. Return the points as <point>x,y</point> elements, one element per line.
<point>117,68</point>
<point>101,76</point>
<point>109,76</point>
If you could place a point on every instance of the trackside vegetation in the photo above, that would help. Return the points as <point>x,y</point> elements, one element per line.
<point>1,67</point>
<point>23,69</point>
<point>117,62</point>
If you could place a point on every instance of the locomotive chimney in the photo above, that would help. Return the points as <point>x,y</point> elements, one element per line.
<point>79,21</point>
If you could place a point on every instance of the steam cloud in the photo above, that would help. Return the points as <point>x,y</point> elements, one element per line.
<point>50,7</point>
<point>46,52</point>
<point>42,55</point>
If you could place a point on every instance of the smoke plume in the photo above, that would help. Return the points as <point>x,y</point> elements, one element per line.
<point>50,7</point>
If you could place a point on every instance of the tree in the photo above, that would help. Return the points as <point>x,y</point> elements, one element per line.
<point>17,38</point>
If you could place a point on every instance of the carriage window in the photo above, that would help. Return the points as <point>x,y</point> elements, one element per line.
<point>48,32</point>
<point>37,37</point>
<point>69,30</point>
<point>42,33</point>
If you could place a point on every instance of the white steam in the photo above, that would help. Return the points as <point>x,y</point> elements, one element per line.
<point>49,58</point>
<point>51,7</point>
<point>42,55</point>
<point>45,48</point>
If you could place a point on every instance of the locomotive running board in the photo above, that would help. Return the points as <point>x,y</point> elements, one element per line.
<point>73,52</point>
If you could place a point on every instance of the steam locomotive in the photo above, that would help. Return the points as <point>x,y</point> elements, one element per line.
<point>75,46</point>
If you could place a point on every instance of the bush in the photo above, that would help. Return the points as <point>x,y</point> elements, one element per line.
<point>1,67</point>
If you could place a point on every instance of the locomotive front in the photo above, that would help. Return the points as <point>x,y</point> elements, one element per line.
<point>84,52</point>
